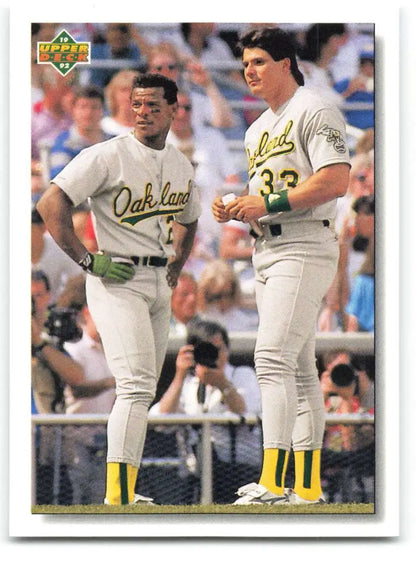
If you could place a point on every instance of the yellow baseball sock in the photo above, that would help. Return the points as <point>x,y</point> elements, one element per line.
<point>274,469</point>
<point>121,481</point>
<point>308,474</point>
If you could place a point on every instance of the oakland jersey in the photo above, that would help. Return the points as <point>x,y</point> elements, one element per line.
<point>286,147</point>
<point>135,193</point>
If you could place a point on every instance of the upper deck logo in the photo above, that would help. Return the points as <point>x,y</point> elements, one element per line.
<point>64,52</point>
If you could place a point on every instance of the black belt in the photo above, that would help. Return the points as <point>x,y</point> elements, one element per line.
<point>149,260</point>
<point>276,230</point>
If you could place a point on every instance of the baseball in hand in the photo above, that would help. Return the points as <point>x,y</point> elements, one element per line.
<point>227,198</point>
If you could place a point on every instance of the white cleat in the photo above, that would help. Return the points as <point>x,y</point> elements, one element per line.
<point>138,500</point>
<point>142,500</point>
<point>256,494</point>
<point>294,499</point>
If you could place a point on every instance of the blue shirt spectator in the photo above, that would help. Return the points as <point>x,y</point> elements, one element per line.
<point>360,89</point>
<point>361,302</point>
<point>121,43</point>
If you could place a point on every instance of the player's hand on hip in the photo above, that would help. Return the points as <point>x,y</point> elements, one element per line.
<point>103,265</point>
<point>218,210</point>
<point>247,208</point>
<point>172,275</point>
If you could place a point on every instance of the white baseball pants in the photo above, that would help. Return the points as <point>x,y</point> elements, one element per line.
<point>133,321</point>
<point>293,273</point>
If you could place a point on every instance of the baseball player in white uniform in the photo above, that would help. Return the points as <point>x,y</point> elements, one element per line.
<point>298,166</point>
<point>145,207</point>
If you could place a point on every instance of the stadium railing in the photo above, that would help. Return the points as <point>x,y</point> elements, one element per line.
<point>243,342</point>
<point>204,421</point>
<point>241,345</point>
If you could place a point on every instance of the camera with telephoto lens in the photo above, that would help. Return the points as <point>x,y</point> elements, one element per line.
<point>205,353</point>
<point>344,375</point>
<point>62,325</point>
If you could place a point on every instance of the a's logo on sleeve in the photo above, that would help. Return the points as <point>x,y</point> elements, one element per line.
<point>333,136</point>
<point>64,52</point>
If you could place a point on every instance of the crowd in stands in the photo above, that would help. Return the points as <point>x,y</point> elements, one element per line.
<point>91,104</point>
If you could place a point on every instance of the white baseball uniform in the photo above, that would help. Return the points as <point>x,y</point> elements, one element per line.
<point>135,194</point>
<point>295,264</point>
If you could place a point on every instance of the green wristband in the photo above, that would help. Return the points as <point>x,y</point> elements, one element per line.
<point>276,202</point>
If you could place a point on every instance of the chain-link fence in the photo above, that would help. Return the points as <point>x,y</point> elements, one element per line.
<point>188,460</point>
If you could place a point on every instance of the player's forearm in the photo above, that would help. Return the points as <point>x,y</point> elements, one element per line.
<point>321,187</point>
<point>56,211</point>
<point>184,236</point>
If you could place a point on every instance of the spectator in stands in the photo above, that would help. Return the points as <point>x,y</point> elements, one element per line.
<point>348,450</point>
<point>210,108</point>
<point>207,149</point>
<point>361,183</point>
<point>200,40</point>
<point>356,258</point>
<point>360,310</point>
<point>48,257</point>
<point>219,298</point>
<point>86,130</point>
<point>95,396</point>
<point>41,297</point>
<point>46,352</point>
<point>360,89</point>
<point>87,113</point>
<point>200,385</point>
<point>352,242</point>
<point>52,113</point>
<point>322,43</point>
<point>40,32</point>
<point>184,303</point>
<point>347,61</point>
<point>353,239</point>
<point>117,96</point>
<point>52,368</point>
<point>122,42</point>
<point>364,391</point>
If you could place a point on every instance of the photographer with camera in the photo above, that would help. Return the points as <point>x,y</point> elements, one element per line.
<point>205,381</point>
<point>348,451</point>
<point>52,369</point>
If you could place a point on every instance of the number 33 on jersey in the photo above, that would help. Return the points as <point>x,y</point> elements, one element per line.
<point>287,146</point>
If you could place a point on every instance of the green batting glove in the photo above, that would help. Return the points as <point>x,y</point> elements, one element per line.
<point>102,265</point>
